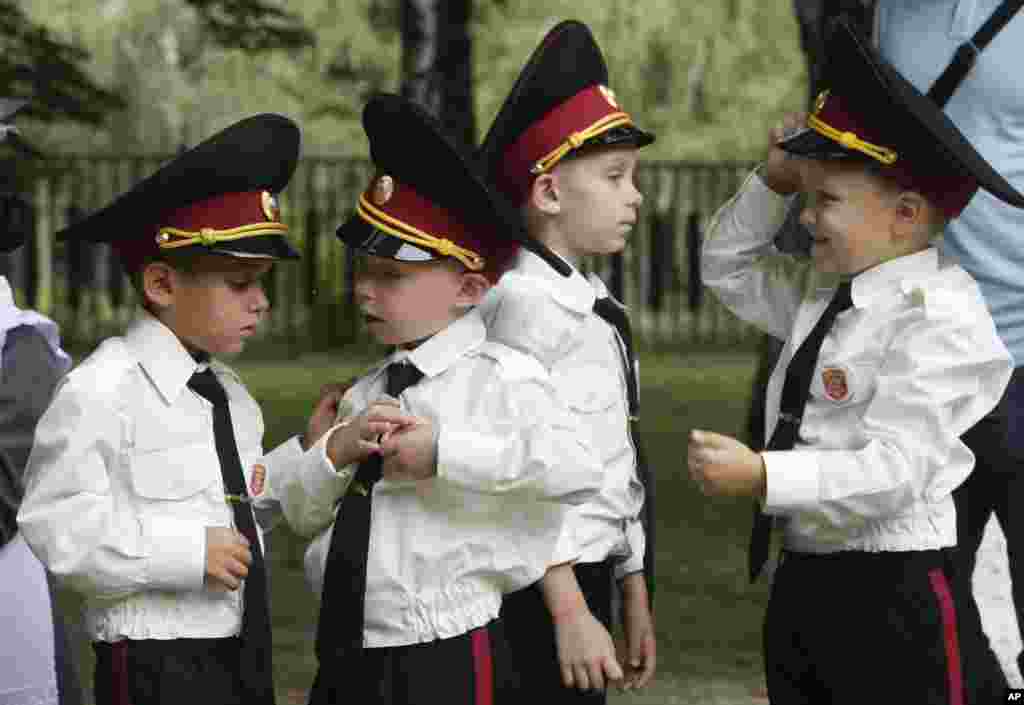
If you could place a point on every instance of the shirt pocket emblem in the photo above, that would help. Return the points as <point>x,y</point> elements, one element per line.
<point>836,384</point>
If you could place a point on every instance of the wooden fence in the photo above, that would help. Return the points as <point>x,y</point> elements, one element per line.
<point>83,288</point>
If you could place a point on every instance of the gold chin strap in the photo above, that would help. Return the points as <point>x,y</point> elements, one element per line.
<point>392,226</point>
<point>576,139</point>
<point>171,238</point>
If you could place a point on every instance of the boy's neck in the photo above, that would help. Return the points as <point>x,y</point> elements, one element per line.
<point>553,239</point>
<point>413,344</point>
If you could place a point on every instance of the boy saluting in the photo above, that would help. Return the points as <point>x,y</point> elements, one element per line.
<point>141,479</point>
<point>891,355</point>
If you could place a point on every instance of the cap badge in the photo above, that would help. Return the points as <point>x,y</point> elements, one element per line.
<point>834,381</point>
<point>820,101</point>
<point>609,95</point>
<point>259,476</point>
<point>383,189</point>
<point>271,209</point>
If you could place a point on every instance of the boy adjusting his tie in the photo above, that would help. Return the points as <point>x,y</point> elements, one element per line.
<point>462,499</point>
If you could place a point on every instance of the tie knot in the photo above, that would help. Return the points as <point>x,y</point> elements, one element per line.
<point>401,375</point>
<point>843,298</point>
<point>205,384</point>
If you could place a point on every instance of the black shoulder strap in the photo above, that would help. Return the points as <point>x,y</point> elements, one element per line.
<point>967,53</point>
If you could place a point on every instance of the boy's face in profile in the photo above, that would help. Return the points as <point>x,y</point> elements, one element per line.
<point>214,307</point>
<point>850,215</point>
<point>402,302</point>
<point>598,201</point>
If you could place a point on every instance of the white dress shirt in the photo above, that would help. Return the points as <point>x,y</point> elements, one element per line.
<point>124,479</point>
<point>901,375</point>
<point>510,458</point>
<point>538,311</point>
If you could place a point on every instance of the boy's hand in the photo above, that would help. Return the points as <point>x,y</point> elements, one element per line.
<point>586,652</point>
<point>721,465</point>
<point>227,559</point>
<point>325,412</point>
<point>357,440</point>
<point>410,453</point>
<point>781,172</point>
<point>638,626</point>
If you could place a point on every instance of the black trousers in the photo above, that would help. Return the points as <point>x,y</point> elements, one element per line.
<point>471,669</point>
<point>168,672</point>
<point>855,627</point>
<point>531,636</point>
<point>996,485</point>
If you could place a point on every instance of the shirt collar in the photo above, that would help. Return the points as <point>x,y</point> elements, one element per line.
<point>897,276</point>
<point>443,349</point>
<point>162,356</point>
<point>574,292</point>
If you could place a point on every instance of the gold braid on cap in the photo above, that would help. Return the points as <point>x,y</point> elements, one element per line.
<point>171,238</point>
<point>576,139</point>
<point>847,139</point>
<point>403,231</point>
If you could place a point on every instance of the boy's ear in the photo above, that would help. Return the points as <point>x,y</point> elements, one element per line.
<point>911,215</point>
<point>472,289</point>
<point>159,283</point>
<point>544,194</point>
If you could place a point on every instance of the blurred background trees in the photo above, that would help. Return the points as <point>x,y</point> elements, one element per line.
<point>151,75</point>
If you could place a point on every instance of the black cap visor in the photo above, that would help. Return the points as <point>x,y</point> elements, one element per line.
<point>368,239</point>
<point>273,247</point>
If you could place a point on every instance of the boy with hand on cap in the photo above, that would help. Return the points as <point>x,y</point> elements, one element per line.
<point>564,152</point>
<point>890,356</point>
<point>466,503</point>
<point>143,478</point>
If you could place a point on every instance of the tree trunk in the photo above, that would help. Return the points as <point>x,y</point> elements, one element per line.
<point>437,68</point>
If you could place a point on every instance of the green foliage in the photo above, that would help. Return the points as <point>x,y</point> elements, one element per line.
<point>707,77</point>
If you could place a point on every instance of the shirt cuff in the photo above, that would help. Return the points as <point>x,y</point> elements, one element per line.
<point>637,540</point>
<point>177,553</point>
<point>761,205</point>
<point>793,481</point>
<point>323,475</point>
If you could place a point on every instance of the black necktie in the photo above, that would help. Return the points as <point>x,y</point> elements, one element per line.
<point>615,315</point>
<point>343,601</point>
<point>795,389</point>
<point>255,662</point>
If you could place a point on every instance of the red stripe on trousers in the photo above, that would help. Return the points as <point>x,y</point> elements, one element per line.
<point>119,673</point>
<point>483,667</point>
<point>942,592</point>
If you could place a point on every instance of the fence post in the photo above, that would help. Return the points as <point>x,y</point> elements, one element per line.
<point>695,287</point>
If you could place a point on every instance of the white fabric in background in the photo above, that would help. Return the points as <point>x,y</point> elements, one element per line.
<point>27,672</point>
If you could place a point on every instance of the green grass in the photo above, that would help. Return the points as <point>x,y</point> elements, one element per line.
<point>708,619</point>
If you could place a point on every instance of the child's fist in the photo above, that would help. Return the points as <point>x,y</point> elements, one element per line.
<point>410,453</point>
<point>358,439</point>
<point>782,171</point>
<point>227,559</point>
<point>721,465</point>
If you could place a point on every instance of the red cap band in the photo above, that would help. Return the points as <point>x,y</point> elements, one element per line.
<point>573,118</point>
<point>223,212</point>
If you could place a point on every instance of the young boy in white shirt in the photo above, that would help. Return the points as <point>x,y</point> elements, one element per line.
<point>564,152</point>
<point>890,356</point>
<point>466,503</point>
<point>148,463</point>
